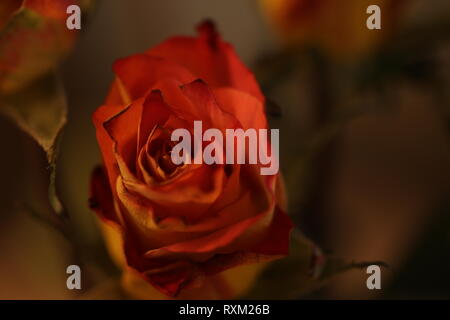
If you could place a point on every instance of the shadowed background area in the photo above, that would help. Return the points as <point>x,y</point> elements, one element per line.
<point>383,195</point>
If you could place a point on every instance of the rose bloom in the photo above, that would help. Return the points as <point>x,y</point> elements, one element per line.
<point>33,39</point>
<point>337,26</point>
<point>193,230</point>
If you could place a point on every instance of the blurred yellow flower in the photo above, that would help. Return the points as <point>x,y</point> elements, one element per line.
<point>335,26</point>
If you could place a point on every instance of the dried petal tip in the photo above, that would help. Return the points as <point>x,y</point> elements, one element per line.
<point>207,29</point>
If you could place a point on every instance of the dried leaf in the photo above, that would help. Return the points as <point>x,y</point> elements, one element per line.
<point>40,110</point>
<point>304,271</point>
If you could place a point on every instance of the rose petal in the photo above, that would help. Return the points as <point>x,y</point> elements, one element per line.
<point>203,106</point>
<point>140,73</point>
<point>100,116</point>
<point>245,107</point>
<point>209,58</point>
<point>234,236</point>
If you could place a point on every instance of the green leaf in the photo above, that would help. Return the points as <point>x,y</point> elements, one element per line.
<point>40,110</point>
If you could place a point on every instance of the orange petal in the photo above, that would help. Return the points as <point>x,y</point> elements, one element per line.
<point>210,58</point>
<point>100,116</point>
<point>277,240</point>
<point>246,108</point>
<point>123,131</point>
<point>226,285</point>
<point>140,73</point>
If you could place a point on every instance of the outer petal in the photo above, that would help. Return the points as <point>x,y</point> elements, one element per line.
<point>277,241</point>
<point>229,284</point>
<point>209,58</point>
<point>227,240</point>
<point>140,73</point>
<point>102,202</point>
<point>100,116</point>
<point>245,107</point>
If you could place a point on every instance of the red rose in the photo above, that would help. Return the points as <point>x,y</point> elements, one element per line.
<point>180,227</point>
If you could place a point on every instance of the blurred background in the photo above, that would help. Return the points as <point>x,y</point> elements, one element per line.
<point>364,118</point>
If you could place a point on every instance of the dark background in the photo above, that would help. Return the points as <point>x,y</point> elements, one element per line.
<point>385,198</point>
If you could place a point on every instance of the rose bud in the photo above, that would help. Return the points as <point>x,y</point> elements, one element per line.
<point>190,230</point>
<point>335,26</point>
<point>34,38</point>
